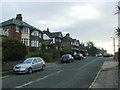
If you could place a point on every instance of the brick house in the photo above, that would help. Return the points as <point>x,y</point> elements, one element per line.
<point>29,35</point>
<point>69,44</point>
<point>55,37</point>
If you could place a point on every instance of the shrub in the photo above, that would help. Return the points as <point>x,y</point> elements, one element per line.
<point>13,49</point>
<point>45,55</point>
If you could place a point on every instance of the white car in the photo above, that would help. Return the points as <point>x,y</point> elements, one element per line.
<point>29,65</point>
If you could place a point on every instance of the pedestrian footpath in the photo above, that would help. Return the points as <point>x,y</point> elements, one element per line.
<point>108,75</point>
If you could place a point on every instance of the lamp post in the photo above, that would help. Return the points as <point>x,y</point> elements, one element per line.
<point>113,46</point>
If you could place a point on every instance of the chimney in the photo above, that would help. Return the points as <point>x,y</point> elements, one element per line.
<point>19,17</point>
<point>47,29</point>
<point>68,35</point>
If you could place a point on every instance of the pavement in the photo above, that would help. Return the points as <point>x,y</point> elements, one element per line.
<point>107,77</point>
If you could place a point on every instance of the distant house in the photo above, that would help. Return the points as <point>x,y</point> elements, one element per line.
<point>55,39</point>
<point>46,41</point>
<point>29,35</point>
<point>69,44</point>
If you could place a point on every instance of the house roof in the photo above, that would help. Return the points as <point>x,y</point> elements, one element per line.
<point>67,38</point>
<point>19,23</point>
<point>53,34</point>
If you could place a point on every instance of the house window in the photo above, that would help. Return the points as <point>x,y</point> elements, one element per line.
<point>17,29</point>
<point>34,43</point>
<point>58,40</point>
<point>25,41</point>
<point>5,32</point>
<point>53,40</point>
<point>40,35</point>
<point>26,30</point>
<point>35,33</point>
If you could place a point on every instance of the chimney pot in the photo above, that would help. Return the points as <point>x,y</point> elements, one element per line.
<point>19,17</point>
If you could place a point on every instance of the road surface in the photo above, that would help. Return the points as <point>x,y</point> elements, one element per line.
<point>78,74</point>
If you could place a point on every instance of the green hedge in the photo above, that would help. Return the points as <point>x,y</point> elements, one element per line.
<point>45,55</point>
<point>13,49</point>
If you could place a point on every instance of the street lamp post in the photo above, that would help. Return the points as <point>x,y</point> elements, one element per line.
<point>113,46</point>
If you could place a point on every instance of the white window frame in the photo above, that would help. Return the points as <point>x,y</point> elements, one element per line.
<point>34,43</point>
<point>17,29</point>
<point>25,41</point>
<point>5,32</point>
<point>35,33</point>
<point>40,35</point>
<point>26,30</point>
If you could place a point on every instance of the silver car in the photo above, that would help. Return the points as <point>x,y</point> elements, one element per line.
<point>29,65</point>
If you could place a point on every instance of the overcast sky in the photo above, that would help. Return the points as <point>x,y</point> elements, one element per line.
<point>85,21</point>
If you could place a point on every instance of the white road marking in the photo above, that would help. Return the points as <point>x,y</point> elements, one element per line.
<point>24,84</point>
<point>52,74</point>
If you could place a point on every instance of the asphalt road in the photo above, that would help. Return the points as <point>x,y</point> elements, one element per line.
<point>78,74</point>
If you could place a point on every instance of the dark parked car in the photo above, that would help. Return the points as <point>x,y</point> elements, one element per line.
<point>107,55</point>
<point>67,58</point>
<point>29,65</point>
<point>78,56</point>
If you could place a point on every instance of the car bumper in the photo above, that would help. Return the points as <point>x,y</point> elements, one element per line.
<point>64,60</point>
<point>20,71</point>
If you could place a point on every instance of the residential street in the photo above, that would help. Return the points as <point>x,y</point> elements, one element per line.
<point>78,74</point>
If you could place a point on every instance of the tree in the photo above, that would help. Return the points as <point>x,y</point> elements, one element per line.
<point>117,12</point>
<point>117,31</point>
<point>90,44</point>
<point>91,49</point>
<point>13,49</point>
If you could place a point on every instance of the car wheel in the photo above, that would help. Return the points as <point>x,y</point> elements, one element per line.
<point>30,70</point>
<point>43,67</point>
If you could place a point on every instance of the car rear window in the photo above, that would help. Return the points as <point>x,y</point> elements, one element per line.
<point>65,56</point>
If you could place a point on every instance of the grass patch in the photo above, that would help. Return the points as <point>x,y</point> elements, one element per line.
<point>5,73</point>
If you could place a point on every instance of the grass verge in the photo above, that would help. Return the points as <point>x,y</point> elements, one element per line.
<point>5,73</point>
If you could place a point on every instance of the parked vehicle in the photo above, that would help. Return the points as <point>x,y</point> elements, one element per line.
<point>107,55</point>
<point>78,56</point>
<point>29,65</point>
<point>67,58</point>
<point>99,55</point>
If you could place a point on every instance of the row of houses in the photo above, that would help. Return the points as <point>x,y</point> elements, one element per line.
<point>36,39</point>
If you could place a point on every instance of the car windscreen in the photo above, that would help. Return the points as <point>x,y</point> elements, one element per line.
<point>28,60</point>
<point>65,56</point>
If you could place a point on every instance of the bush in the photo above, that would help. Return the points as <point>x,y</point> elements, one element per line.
<point>45,55</point>
<point>13,49</point>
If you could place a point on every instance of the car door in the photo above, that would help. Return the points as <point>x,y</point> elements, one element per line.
<point>35,64</point>
<point>40,63</point>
